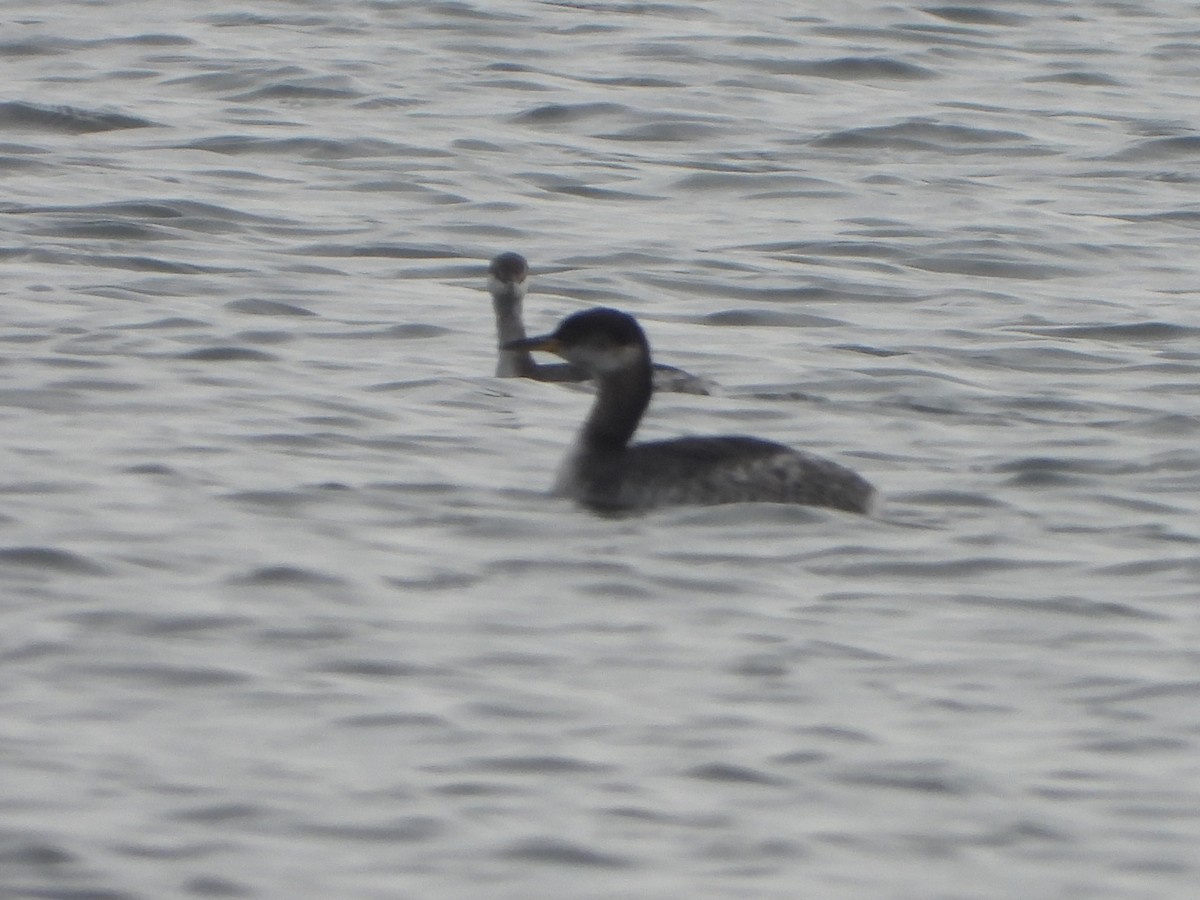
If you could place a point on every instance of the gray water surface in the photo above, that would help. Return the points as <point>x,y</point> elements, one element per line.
<point>285,609</point>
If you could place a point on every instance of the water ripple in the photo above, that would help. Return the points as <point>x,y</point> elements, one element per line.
<point>259,307</point>
<point>556,851</point>
<point>926,135</point>
<point>858,68</point>
<point>310,147</point>
<point>49,560</point>
<point>734,774</point>
<point>1135,331</point>
<point>227,354</point>
<point>16,114</point>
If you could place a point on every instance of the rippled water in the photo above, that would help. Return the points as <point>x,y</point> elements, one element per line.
<point>286,611</point>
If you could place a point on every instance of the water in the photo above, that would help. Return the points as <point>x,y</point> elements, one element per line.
<point>286,611</point>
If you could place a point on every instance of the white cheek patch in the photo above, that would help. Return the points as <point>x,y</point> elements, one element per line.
<point>515,289</point>
<point>606,359</point>
<point>588,358</point>
<point>629,354</point>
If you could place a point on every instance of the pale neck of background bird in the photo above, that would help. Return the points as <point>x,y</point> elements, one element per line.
<point>510,327</point>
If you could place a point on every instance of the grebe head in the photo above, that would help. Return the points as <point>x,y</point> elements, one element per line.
<point>600,341</point>
<point>506,278</point>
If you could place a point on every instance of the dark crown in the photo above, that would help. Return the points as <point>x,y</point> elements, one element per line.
<point>600,325</point>
<point>508,267</point>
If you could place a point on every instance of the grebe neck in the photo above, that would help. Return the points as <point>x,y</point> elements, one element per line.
<point>510,327</point>
<point>621,399</point>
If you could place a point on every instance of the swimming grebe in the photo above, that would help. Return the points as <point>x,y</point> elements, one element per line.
<point>604,471</point>
<point>507,275</point>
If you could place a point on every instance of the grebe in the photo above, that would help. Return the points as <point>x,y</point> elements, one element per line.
<point>605,472</point>
<point>507,274</point>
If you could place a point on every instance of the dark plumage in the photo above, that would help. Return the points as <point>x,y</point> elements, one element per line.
<point>605,471</point>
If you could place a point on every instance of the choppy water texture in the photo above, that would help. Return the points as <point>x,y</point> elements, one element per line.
<point>286,611</point>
